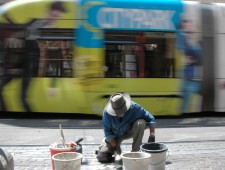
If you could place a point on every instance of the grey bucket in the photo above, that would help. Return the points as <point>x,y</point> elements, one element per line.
<point>135,160</point>
<point>159,153</point>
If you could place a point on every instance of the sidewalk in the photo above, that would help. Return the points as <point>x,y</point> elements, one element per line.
<point>193,144</point>
<point>209,155</point>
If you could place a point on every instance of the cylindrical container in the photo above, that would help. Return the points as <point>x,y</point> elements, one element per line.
<point>67,161</point>
<point>55,149</point>
<point>135,161</point>
<point>158,153</point>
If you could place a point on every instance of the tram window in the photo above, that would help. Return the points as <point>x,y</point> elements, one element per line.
<point>14,57</point>
<point>56,53</point>
<point>55,59</point>
<point>136,54</point>
<point>50,55</point>
<point>12,51</point>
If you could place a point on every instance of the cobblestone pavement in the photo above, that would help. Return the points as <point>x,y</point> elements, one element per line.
<point>201,155</point>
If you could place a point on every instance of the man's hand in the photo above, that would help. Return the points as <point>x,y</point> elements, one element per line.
<point>151,138</point>
<point>112,145</point>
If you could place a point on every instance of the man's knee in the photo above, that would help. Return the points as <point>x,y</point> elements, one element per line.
<point>139,124</point>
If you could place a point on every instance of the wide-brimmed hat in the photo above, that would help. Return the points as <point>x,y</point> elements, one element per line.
<point>118,104</point>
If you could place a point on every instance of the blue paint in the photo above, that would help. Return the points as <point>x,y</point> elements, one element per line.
<point>146,15</point>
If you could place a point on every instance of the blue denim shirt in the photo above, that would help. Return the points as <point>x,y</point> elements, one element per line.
<point>115,128</point>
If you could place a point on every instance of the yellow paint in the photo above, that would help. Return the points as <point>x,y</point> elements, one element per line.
<point>25,11</point>
<point>83,94</point>
<point>64,98</point>
<point>89,62</point>
<point>70,96</point>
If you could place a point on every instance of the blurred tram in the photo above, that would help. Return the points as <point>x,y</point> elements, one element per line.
<point>69,56</point>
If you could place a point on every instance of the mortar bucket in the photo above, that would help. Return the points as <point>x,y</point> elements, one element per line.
<point>59,149</point>
<point>158,153</point>
<point>67,161</point>
<point>135,160</point>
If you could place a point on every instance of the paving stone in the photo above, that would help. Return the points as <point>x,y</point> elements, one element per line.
<point>182,156</point>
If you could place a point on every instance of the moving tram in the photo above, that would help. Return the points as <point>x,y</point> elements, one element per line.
<point>67,56</point>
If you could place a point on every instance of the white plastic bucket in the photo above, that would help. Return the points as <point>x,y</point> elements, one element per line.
<point>135,160</point>
<point>158,153</point>
<point>67,161</point>
<point>58,148</point>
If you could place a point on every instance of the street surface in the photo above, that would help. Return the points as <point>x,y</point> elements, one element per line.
<point>193,143</point>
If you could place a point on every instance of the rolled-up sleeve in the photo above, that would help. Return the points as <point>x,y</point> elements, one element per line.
<point>150,119</point>
<point>107,127</point>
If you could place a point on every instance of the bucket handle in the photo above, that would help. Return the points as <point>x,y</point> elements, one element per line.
<point>167,155</point>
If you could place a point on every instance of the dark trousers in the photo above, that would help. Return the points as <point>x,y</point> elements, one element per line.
<point>23,92</point>
<point>4,81</point>
<point>136,132</point>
